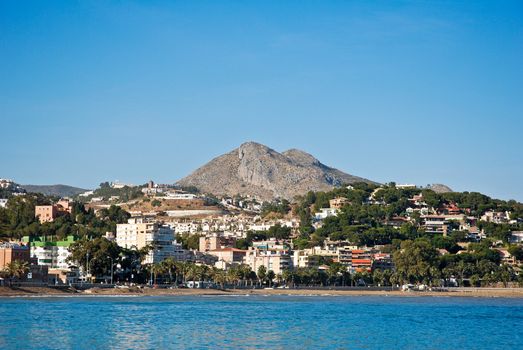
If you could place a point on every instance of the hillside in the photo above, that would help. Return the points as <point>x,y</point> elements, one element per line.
<point>257,170</point>
<point>54,190</point>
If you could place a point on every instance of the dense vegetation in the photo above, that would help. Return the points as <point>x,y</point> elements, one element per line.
<point>105,191</point>
<point>278,207</point>
<point>363,222</point>
<point>18,219</point>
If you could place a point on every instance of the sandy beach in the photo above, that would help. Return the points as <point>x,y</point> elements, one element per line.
<point>463,292</point>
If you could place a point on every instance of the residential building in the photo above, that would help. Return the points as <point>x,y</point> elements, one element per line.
<point>10,252</point>
<point>344,256</point>
<point>405,186</point>
<point>441,224</point>
<point>140,232</point>
<point>396,221</point>
<point>216,242</point>
<point>361,260</point>
<point>53,254</point>
<point>272,260</point>
<point>516,237</point>
<point>304,258</point>
<point>47,213</point>
<point>325,213</point>
<point>382,261</point>
<point>3,202</point>
<point>118,184</point>
<point>164,246</point>
<point>273,255</point>
<point>338,203</point>
<point>180,196</point>
<point>132,235</point>
<point>506,257</point>
<point>496,217</point>
<point>229,256</point>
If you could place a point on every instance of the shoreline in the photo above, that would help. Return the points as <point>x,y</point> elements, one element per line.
<point>136,292</point>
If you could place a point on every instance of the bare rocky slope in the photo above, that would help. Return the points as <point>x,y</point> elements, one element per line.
<point>440,188</point>
<point>257,170</point>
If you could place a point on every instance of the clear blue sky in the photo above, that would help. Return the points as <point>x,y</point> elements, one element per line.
<point>406,91</point>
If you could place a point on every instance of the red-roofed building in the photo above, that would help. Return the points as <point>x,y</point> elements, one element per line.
<point>361,260</point>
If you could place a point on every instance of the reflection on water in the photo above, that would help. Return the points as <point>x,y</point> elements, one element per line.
<point>286,322</point>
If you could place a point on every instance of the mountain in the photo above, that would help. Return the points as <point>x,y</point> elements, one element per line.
<point>54,190</point>
<point>257,170</point>
<point>440,188</point>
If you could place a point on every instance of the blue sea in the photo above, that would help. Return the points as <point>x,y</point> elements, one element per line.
<point>260,322</point>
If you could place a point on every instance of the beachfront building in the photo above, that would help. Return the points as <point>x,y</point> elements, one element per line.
<point>227,257</point>
<point>51,253</point>
<point>140,232</point>
<point>382,261</point>
<point>272,254</point>
<point>10,252</point>
<point>361,260</point>
<point>305,258</point>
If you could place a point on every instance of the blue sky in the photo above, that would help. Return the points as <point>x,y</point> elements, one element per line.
<point>407,91</point>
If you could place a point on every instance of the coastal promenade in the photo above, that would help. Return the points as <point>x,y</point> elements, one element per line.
<point>448,292</point>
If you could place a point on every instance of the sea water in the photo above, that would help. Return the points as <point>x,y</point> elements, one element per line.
<point>260,322</point>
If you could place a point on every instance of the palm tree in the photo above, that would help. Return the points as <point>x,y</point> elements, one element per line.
<point>156,269</point>
<point>219,276</point>
<point>233,275</point>
<point>270,277</point>
<point>170,266</point>
<point>245,272</point>
<point>252,277</point>
<point>286,276</point>
<point>262,273</point>
<point>182,268</point>
<point>17,269</point>
<point>206,272</point>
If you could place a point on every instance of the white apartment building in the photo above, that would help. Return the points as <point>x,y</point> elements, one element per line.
<point>325,213</point>
<point>140,232</point>
<point>273,255</point>
<point>53,254</point>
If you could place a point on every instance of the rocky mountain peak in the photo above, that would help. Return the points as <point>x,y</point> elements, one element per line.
<point>302,158</point>
<point>257,170</point>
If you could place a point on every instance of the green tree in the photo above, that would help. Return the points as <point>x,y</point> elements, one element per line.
<point>414,261</point>
<point>16,269</point>
<point>95,255</point>
<point>262,273</point>
<point>516,251</point>
<point>270,277</point>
